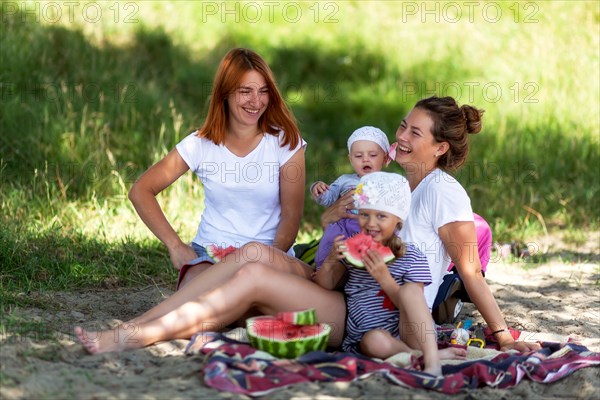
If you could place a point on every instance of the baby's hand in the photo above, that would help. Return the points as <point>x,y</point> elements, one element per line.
<point>319,188</point>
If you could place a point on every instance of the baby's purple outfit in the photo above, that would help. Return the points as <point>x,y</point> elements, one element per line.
<point>345,226</point>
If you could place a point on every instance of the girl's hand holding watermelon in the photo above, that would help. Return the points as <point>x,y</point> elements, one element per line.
<point>377,267</point>
<point>331,271</point>
<point>338,248</point>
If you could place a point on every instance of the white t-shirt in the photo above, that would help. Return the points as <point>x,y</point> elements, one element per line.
<point>438,200</point>
<point>241,194</point>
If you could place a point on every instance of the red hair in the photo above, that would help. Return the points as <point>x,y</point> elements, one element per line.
<point>276,117</point>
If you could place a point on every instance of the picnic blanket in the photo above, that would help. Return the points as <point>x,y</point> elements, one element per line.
<point>235,366</point>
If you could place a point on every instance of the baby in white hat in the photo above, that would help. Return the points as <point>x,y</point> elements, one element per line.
<point>367,151</point>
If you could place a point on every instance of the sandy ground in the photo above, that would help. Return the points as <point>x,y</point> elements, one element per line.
<point>40,359</point>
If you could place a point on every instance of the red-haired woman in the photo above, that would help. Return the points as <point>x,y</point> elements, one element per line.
<point>249,155</point>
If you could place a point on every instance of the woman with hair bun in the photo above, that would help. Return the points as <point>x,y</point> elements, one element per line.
<point>432,140</point>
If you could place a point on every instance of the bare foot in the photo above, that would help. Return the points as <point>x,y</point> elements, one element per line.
<point>452,353</point>
<point>435,370</point>
<point>90,345</point>
<point>119,339</point>
<point>433,366</point>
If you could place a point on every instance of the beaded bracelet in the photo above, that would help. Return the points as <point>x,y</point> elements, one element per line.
<point>500,330</point>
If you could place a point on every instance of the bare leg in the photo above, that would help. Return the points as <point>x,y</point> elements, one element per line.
<point>249,253</point>
<point>217,274</point>
<point>158,310</point>
<point>253,285</point>
<point>381,344</point>
<point>416,328</point>
<point>165,306</point>
<point>193,272</point>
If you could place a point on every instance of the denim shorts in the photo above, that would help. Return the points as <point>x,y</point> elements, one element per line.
<point>203,257</point>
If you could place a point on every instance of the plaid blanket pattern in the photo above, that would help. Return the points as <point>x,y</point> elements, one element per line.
<point>237,367</point>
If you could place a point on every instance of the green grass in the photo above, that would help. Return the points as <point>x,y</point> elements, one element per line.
<point>55,259</point>
<point>86,107</point>
<point>14,328</point>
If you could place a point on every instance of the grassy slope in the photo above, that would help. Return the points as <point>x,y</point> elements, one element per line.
<point>86,107</point>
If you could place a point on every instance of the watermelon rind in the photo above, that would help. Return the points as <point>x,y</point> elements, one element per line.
<point>362,239</point>
<point>218,253</point>
<point>282,347</point>
<point>304,317</point>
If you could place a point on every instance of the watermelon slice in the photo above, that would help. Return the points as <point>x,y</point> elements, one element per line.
<point>306,317</point>
<point>357,246</point>
<point>286,340</point>
<point>218,253</point>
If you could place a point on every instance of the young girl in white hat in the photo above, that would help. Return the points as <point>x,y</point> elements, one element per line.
<point>387,313</point>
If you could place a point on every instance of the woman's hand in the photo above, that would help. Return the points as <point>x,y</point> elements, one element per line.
<point>339,210</point>
<point>506,343</point>
<point>521,346</point>
<point>460,241</point>
<point>181,255</point>
<point>143,197</point>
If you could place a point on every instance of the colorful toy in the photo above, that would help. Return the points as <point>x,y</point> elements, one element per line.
<point>459,335</point>
<point>464,336</point>
<point>475,340</point>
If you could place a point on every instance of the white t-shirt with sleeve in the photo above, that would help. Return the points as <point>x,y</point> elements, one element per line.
<point>241,194</point>
<point>439,199</point>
